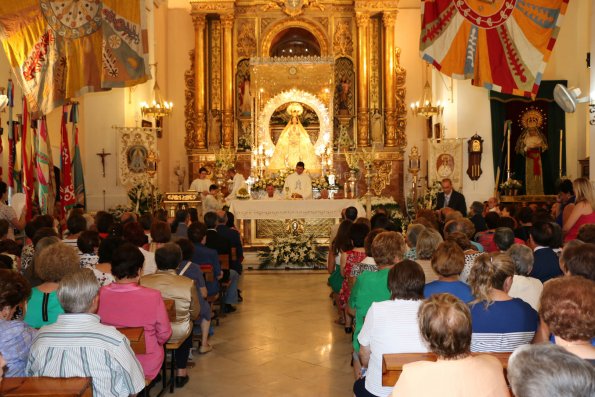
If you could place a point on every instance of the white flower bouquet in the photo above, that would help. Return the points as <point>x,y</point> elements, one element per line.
<point>292,251</point>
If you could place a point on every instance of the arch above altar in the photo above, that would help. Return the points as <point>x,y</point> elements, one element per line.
<point>306,80</point>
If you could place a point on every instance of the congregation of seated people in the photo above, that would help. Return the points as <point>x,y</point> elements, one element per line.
<point>504,283</point>
<point>73,287</point>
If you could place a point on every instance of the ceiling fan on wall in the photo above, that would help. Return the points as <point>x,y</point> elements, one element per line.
<point>568,98</point>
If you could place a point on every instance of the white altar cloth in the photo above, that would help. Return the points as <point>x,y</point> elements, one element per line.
<point>292,209</point>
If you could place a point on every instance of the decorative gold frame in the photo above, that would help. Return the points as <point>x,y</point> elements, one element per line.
<point>276,28</point>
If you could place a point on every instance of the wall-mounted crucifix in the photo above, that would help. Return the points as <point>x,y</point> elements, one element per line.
<point>103,155</point>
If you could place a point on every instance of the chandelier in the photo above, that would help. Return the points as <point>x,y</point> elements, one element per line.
<point>424,107</point>
<point>158,108</point>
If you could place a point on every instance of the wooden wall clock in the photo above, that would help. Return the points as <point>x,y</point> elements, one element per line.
<point>475,149</point>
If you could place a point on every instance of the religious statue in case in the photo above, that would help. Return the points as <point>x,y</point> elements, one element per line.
<point>531,143</point>
<point>475,149</point>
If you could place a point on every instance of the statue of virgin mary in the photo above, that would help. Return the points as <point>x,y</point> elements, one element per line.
<point>294,144</point>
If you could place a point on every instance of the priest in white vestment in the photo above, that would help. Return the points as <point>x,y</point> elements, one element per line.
<point>238,183</point>
<point>298,184</point>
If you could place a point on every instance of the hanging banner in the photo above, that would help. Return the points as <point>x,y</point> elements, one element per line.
<point>501,45</point>
<point>42,165</point>
<point>67,199</point>
<point>64,49</point>
<point>77,163</point>
<point>446,161</point>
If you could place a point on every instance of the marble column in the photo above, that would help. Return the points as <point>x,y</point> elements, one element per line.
<point>227,25</point>
<point>199,21</point>
<point>363,117</point>
<point>390,111</point>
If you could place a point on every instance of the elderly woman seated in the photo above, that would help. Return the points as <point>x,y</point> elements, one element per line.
<point>445,325</point>
<point>427,242</point>
<point>15,336</point>
<point>448,262</point>
<point>51,264</point>
<point>567,309</point>
<point>391,326</point>
<point>524,287</point>
<point>388,248</point>
<point>125,303</point>
<point>549,370</point>
<point>500,323</point>
<point>181,289</point>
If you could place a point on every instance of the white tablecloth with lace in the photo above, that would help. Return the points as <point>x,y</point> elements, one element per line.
<point>292,209</point>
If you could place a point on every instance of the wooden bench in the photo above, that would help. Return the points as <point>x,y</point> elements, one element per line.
<point>45,386</point>
<point>392,364</point>
<point>136,336</point>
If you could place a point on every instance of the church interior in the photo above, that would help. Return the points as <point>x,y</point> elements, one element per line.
<point>380,99</point>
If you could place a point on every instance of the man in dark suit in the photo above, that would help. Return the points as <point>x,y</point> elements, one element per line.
<point>222,245</point>
<point>197,233</point>
<point>546,264</point>
<point>234,238</point>
<point>449,197</point>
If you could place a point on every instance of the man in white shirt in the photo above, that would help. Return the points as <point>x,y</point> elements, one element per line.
<point>298,184</point>
<point>238,183</point>
<point>271,194</point>
<point>202,183</point>
<point>77,344</point>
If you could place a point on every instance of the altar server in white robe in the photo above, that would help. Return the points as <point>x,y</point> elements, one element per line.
<point>202,183</point>
<point>298,184</point>
<point>238,183</point>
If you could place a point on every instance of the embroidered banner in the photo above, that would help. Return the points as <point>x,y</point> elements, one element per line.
<point>502,45</point>
<point>67,199</point>
<point>446,161</point>
<point>64,49</point>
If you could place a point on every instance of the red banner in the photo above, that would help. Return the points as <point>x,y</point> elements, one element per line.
<point>67,198</point>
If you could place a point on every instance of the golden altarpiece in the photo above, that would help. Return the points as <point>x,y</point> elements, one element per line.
<point>253,59</point>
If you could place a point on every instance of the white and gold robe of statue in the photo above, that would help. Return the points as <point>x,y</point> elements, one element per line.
<point>294,145</point>
<point>300,184</point>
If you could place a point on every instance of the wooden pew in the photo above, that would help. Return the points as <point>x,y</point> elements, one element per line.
<point>392,364</point>
<point>45,386</point>
<point>136,336</point>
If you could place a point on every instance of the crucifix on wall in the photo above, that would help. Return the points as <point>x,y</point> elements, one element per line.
<point>103,155</point>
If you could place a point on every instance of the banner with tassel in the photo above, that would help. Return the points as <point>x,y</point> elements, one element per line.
<point>67,198</point>
<point>26,160</point>
<point>77,163</point>
<point>42,165</point>
<point>10,136</point>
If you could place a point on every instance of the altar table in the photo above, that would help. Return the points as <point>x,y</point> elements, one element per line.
<point>261,220</point>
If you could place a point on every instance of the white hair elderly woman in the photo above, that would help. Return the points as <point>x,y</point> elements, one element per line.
<point>524,287</point>
<point>549,370</point>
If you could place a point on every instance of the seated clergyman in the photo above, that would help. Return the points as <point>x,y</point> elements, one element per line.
<point>78,345</point>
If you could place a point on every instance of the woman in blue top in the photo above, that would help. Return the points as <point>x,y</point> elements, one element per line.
<point>15,336</point>
<point>500,323</point>
<point>448,262</point>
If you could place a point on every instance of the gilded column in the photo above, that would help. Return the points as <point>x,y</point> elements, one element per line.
<point>363,23</point>
<point>227,25</point>
<point>390,116</point>
<point>199,21</point>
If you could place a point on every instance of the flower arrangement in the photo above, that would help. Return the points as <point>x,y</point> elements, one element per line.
<point>292,251</point>
<point>511,184</point>
<point>392,208</point>
<point>118,210</point>
<point>260,185</point>
<point>352,160</point>
<point>144,197</point>
<point>278,180</point>
<point>320,183</point>
<point>225,159</point>
<point>243,194</point>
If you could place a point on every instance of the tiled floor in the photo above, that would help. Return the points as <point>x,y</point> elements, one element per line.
<point>281,342</point>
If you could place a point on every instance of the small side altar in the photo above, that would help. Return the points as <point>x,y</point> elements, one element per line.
<point>261,220</point>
